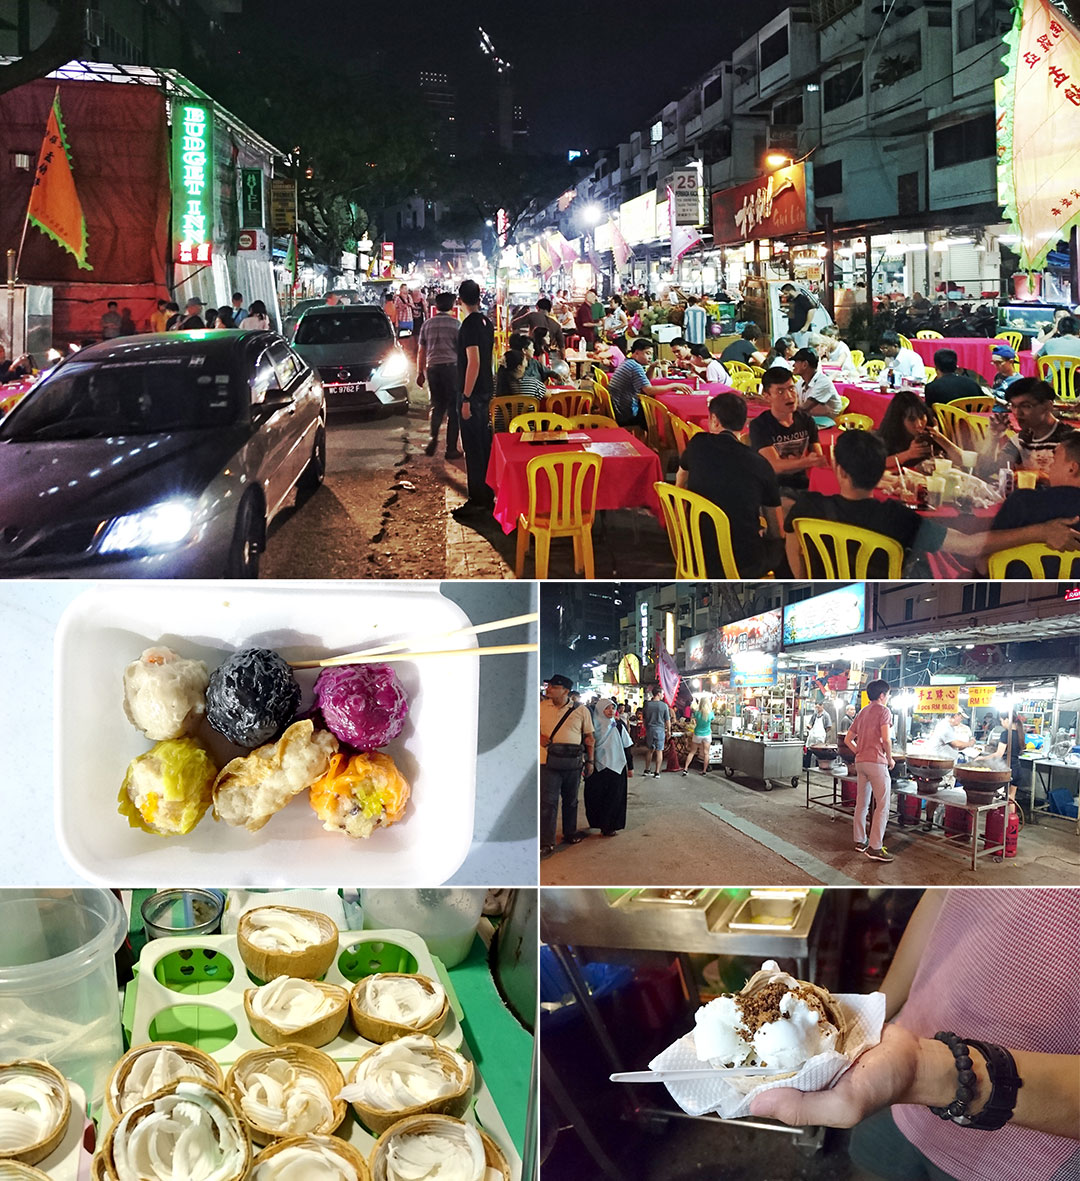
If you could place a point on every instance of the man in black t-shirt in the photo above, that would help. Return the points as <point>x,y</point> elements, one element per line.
<point>476,339</point>
<point>744,348</point>
<point>799,306</point>
<point>784,435</point>
<point>1060,499</point>
<point>950,385</point>
<point>718,466</point>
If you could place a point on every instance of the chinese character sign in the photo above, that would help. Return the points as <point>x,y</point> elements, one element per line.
<point>54,203</point>
<point>937,699</point>
<point>769,207</point>
<point>193,181</point>
<point>1039,130</point>
<point>979,696</point>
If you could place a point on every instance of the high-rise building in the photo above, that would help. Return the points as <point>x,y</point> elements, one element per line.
<point>440,96</point>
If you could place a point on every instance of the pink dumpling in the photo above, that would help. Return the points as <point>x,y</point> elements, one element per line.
<point>363,704</point>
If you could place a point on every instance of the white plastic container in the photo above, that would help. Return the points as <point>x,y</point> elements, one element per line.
<point>59,1000</point>
<point>109,626</point>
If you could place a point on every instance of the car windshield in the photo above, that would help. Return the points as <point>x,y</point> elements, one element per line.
<point>348,328</point>
<point>143,397</point>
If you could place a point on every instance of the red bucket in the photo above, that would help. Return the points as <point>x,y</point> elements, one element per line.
<point>848,791</point>
<point>992,831</point>
<point>957,822</point>
<point>908,807</point>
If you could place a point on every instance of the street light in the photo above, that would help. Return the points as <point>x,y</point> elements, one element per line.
<point>593,214</point>
<point>777,160</point>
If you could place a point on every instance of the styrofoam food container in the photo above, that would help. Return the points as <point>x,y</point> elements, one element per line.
<point>109,626</point>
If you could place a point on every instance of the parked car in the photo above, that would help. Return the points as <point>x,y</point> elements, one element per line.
<point>354,349</point>
<point>292,317</point>
<point>158,456</point>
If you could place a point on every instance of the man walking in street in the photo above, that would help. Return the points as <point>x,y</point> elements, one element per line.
<point>437,362</point>
<point>869,738</point>
<point>566,750</point>
<point>657,732</point>
<point>476,339</point>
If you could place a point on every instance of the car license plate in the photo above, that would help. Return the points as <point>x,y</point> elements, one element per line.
<point>349,387</point>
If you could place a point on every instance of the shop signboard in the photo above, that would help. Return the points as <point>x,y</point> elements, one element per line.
<point>773,206</point>
<point>759,633</point>
<point>192,181</point>
<point>750,669</point>
<point>937,699</point>
<point>282,205</point>
<point>637,219</point>
<point>980,696</point>
<point>686,193</point>
<point>629,670</point>
<point>251,196</point>
<point>703,652</point>
<point>840,612</point>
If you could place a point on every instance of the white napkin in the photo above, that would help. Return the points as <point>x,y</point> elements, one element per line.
<point>729,1095</point>
<point>238,902</point>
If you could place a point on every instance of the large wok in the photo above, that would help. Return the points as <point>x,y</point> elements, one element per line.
<point>981,784</point>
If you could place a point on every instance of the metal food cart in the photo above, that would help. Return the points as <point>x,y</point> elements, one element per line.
<point>766,759</point>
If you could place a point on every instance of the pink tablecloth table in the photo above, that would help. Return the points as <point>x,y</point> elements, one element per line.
<point>972,352</point>
<point>864,401</point>
<point>694,408</point>
<point>626,481</point>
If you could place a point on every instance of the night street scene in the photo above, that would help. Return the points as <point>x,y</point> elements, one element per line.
<point>352,292</point>
<point>720,716</point>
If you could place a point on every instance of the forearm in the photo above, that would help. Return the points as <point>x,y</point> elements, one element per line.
<point>472,372</point>
<point>913,943</point>
<point>421,360</point>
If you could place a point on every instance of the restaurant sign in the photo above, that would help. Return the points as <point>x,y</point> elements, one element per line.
<point>759,633</point>
<point>979,696</point>
<point>772,206</point>
<point>192,181</point>
<point>937,699</point>
<point>704,652</point>
<point>251,196</point>
<point>749,669</point>
<point>840,612</point>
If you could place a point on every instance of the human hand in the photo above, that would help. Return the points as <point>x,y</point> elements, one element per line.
<point>883,1075</point>
<point>544,740</point>
<point>892,762</point>
<point>1061,534</point>
<point>420,378</point>
<point>466,412</point>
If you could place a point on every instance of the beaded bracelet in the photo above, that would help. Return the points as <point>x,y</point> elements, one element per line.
<point>965,1079</point>
<point>1005,1082</point>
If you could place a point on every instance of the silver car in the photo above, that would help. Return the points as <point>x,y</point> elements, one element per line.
<point>158,456</point>
<point>354,349</point>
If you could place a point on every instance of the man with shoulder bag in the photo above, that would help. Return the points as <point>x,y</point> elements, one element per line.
<point>566,750</point>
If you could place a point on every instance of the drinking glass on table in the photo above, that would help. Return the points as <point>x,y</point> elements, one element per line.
<point>935,491</point>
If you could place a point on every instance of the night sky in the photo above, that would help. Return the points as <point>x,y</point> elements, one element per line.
<point>586,74</point>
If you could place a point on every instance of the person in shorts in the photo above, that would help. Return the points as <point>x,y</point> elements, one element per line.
<point>657,731</point>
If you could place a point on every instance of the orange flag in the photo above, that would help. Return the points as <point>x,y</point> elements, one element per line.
<point>54,204</point>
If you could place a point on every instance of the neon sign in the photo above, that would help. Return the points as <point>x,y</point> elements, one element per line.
<point>192,177</point>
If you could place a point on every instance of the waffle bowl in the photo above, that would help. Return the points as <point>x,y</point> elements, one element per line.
<point>262,1168</point>
<point>13,1170</point>
<point>301,1058</point>
<point>314,1033</point>
<point>379,1029</point>
<point>428,1054</point>
<point>14,1146</point>
<point>197,1067</point>
<point>307,963</point>
<point>176,1112</point>
<point>446,1128</point>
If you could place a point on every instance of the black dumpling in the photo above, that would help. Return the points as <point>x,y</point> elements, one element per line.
<point>252,697</point>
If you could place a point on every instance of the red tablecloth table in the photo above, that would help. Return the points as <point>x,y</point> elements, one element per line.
<point>972,352</point>
<point>626,481</point>
<point>864,401</point>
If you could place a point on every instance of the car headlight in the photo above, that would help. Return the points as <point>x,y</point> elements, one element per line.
<point>160,527</point>
<point>396,365</point>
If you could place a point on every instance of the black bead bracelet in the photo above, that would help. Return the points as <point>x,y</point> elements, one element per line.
<point>1005,1082</point>
<point>965,1077</point>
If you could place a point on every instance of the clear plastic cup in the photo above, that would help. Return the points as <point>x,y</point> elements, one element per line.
<point>971,458</point>
<point>182,912</point>
<point>935,491</point>
<point>59,999</point>
<point>942,467</point>
<point>445,919</point>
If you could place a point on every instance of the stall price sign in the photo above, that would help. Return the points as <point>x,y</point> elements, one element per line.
<point>282,205</point>
<point>192,181</point>
<point>251,196</point>
<point>980,696</point>
<point>937,699</point>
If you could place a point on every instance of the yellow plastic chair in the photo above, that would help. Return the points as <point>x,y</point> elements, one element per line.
<point>930,373</point>
<point>601,375</point>
<point>967,431</point>
<point>503,410</point>
<point>844,404</point>
<point>905,343</point>
<point>571,479</point>
<point>1040,561</point>
<point>569,403</point>
<point>1016,339</point>
<point>538,420</point>
<point>683,431</point>
<point>845,551</point>
<point>858,357</point>
<point>874,368</point>
<point>683,513</point>
<point>855,422</point>
<point>1061,372</point>
<point>601,401</point>
<point>928,334</point>
<point>658,435</point>
<point>592,422</point>
<point>745,383</point>
<point>734,367</point>
<point>981,405</point>
<point>757,371</point>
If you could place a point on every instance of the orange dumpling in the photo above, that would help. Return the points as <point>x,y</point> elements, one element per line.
<point>359,794</point>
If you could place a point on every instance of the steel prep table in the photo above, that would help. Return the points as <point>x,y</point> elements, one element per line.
<point>764,759</point>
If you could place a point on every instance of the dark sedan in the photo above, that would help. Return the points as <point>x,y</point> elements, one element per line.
<point>158,456</point>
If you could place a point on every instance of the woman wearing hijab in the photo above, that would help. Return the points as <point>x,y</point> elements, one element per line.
<point>605,788</point>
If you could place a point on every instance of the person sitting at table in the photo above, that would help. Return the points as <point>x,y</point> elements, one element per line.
<point>744,348</point>
<point>716,465</point>
<point>907,435</point>
<point>509,374</point>
<point>859,459</point>
<point>608,356</point>
<point>706,367</point>
<point>949,384</point>
<point>630,381</point>
<point>680,354</point>
<point>540,317</point>
<point>1031,401</point>
<point>906,363</point>
<point>833,351</point>
<point>785,435</point>
<point>781,353</point>
<point>1003,358</point>
<point>1059,498</point>
<point>817,394</point>
<point>524,344</point>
